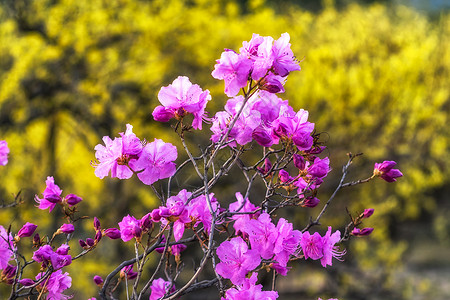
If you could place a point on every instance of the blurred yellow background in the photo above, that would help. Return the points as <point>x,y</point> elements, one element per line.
<point>375,79</point>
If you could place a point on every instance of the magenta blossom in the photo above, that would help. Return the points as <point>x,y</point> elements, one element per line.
<point>236,260</point>
<point>250,291</point>
<point>312,245</point>
<point>385,171</point>
<point>242,205</point>
<point>52,195</point>
<point>117,155</point>
<point>130,228</point>
<point>181,98</point>
<point>156,162</point>
<point>66,228</point>
<point>56,285</point>
<point>329,249</point>
<point>159,288</point>
<point>6,247</point>
<point>4,151</point>
<point>199,210</point>
<point>287,242</point>
<point>262,235</point>
<point>234,70</point>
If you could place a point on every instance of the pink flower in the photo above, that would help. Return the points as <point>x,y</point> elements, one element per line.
<point>320,168</point>
<point>156,162</point>
<point>6,247</point>
<point>8,274</point>
<point>234,70</point>
<point>287,242</point>
<point>250,291</point>
<point>242,205</point>
<point>262,235</point>
<point>236,260</point>
<point>117,154</point>
<point>4,151</point>
<point>290,126</point>
<point>283,58</point>
<point>385,171</point>
<point>56,285</point>
<point>52,195</point>
<point>159,288</point>
<point>329,249</point>
<point>199,210</point>
<point>180,98</point>
<point>367,212</point>
<point>176,211</point>
<point>312,245</point>
<point>130,228</point>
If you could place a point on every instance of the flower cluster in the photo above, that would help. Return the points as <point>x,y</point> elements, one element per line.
<point>292,160</point>
<point>127,154</point>
<point>52,196</point>
<point>262,59</point>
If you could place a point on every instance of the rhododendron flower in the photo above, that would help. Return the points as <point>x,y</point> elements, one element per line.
<point>283,57</point>
<point>290,126</point>
<point>180,98</point>
<point>4,151</point>
<point>130,228</point>
<point>56,284</point>
<point>250,291</point>
<point>385,171</point>
<point>329,249</point>
<point>63,249</point>
<point>112,233</point>
<point>117,155</point>
<point>312,245</point>
<point>242,205</point>
<point>52,195</point>
<point>72,199</point>
<point>156,162</point>
<point>66,228</point>
<point>177,212</point>
<point>287,242</point>
<point>6,247</point>
<point>262,235</point>
<point>320,168</point>
<point>234,70</point>
<point>236,260</point>
<point>159,288</point>
<point>199,210</point>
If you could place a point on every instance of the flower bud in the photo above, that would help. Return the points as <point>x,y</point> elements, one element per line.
<point>90,242</point>
<point>266,168</point>
<point>128,272</point>
<point>112,233</point>
<point>156,217</point>
<point>96,224</point>
<point>299,162</point>
<point>161,114</point>
<point>66,228</point>
<point>262,137</point>
<point>284,176</point>
<point>26,282</point>
<point>26,230</point>
<point>310,202</point>
<point>98,280</point>
<point>367,212</point>
<point>36,240</point>
<point>98,237</point>
<point>72,199</point>
<point>145,222</point>
<point>362,232</point>
<point>82,243</point>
